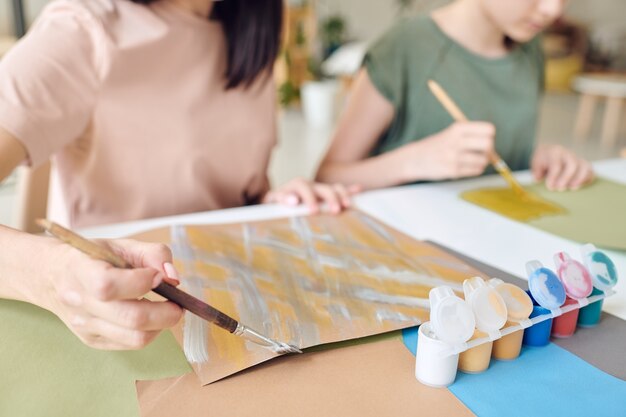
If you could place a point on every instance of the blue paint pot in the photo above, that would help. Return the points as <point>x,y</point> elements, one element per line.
<point>538,334</point>
<point>589,316</point>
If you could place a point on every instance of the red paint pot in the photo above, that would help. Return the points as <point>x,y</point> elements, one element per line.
<point>565,325</point>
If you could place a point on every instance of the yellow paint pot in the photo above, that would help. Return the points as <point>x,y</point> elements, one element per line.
<point>508,347</point>
<point>476,360</point>
<point>490,313</point>
<point>518,306</point>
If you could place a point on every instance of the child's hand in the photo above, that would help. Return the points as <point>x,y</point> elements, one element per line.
<point>102,304</point>
<point>461,150</point>
<point>561,168</point>
<point>313,194</point>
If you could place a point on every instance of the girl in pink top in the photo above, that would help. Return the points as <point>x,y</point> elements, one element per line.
<point>147,108</point>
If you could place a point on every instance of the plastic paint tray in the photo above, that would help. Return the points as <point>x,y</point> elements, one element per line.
<point>524,324</point>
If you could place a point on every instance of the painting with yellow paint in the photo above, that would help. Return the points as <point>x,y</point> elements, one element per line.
<point>306,281</point>
<point>594,213</point>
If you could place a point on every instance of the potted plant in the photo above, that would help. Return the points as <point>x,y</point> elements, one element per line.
<point>318,97</point>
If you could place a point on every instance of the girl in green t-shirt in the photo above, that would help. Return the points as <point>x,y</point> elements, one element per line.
<point>486,55</point>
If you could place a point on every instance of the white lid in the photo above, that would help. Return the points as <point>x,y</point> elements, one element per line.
<point>575,277</point>
<point>518,302</point>
<point>545,286</point>
<point>600,266</point>
<point>489,308</point>
<point>451,319</point>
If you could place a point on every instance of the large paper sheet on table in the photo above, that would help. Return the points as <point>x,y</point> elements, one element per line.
<point>545,380</point>
<point>594,213</point>
<point>371,379</point>
<point>306,281</point>
<point>47,371</point>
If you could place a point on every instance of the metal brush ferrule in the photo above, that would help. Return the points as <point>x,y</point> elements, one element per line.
<point>253,336</point>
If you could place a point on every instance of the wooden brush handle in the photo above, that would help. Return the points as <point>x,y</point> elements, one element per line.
<point>196,306</point>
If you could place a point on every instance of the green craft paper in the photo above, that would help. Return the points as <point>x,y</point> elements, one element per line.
<point>595,214</point>
<point>47,371</point>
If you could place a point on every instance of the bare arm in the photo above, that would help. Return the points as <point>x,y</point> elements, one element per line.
<point>367,116</point>
<point>12,153</point>
<point>97,302</point>
<point>461,150</point>
<point>101,304</point>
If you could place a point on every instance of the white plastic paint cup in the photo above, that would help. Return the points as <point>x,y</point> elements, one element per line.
<point>430,367</point>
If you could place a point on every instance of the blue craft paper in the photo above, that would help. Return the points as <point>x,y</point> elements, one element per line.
<point>543,381</point>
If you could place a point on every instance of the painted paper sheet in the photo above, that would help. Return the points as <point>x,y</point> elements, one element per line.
<point>305,281</point>
<point>594,213</point>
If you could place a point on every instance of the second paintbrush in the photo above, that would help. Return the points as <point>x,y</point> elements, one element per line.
<point>456,113</point>
<point>168,291</point>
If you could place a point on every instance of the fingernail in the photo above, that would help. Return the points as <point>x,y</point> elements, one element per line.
<point>292,200</point>
<point>72,298</point>
<point>172,281</point>
<point>157,280</point>
<point>171,271</point>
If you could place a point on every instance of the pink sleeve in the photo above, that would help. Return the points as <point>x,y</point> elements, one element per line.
<point>49,81</point>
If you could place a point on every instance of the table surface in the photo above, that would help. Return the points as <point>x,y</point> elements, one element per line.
<point>431,212</point>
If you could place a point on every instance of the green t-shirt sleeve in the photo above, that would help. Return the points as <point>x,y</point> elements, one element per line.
<point>385,63</point>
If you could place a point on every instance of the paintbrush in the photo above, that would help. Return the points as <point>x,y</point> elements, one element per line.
<point>168,291</point>
<point>456,113</point>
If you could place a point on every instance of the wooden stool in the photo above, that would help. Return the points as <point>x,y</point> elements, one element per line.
<point>594,87</point>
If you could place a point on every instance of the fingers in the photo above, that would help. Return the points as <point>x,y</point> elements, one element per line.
<point>328,195</point>
<point>562,169</point>
<point>478,144</point>
<point>475,136</point>
<point>343,194</point>
<point>554,169</point>
<point>136,314</point>
<point>584,176</point>
<point>141,254</point>
<point>171,274</point>
<point>303,190</point>
<point>108,283</point>
<point>569,170</point>
<point>463,150</point>
<point>269,198</point>
<point>336,197</point>
<point>99,302</point>
<point>472,164</point>
<point>476,128</point>
<point>101,334</point>
<point>575,174</point>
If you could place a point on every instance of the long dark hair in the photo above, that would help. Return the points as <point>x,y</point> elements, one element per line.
<point>253,33</point>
